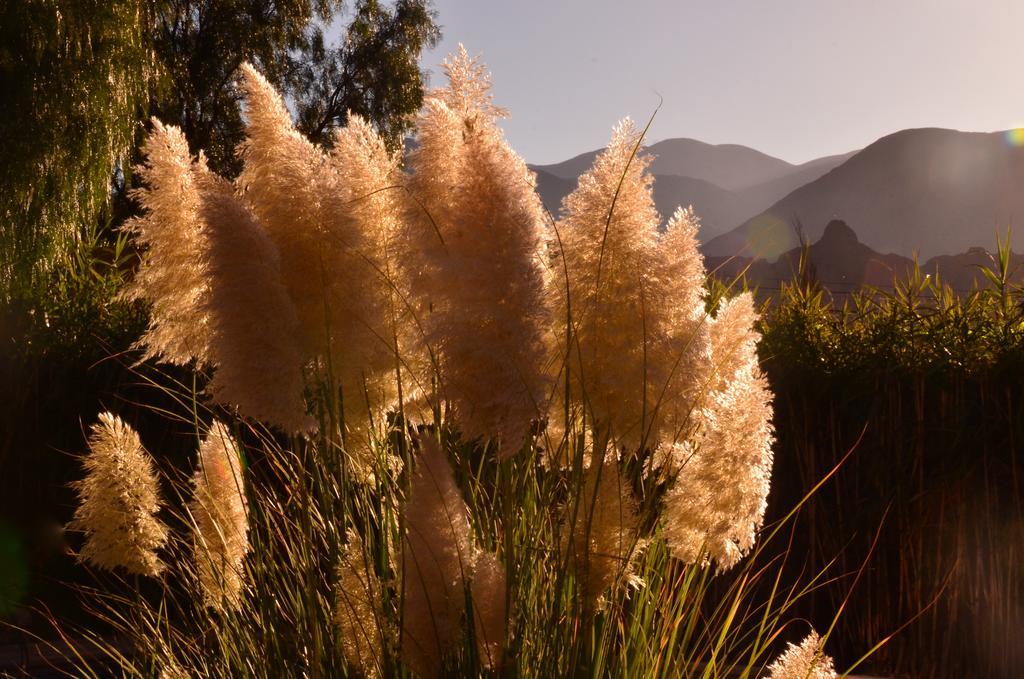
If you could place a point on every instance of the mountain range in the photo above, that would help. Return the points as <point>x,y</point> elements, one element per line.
<point>920,192</point>
<point>841,263</point>
<point>726,183</point>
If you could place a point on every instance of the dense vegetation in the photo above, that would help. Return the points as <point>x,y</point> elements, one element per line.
<point>481,453</point>
<point>925,387</point>
<point>80,78</point>
<point>920,386</point>
<point>79,81</point>
<point>75,77</point>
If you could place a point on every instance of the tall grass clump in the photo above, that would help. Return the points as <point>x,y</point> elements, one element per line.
<point>475,263</point>
<point>445,435</point>
<point>928,381</point>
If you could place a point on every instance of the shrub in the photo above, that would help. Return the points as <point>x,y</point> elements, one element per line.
<point>928,383</point>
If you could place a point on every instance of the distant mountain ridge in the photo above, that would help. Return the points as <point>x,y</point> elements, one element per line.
<point>730,166</point>
<point>931,191</point>
<point>768,192</point>
<point>726,183</point>
<point>721,209</point>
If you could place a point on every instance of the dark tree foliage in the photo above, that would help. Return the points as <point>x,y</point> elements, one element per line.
<point>374,71</point>
<point>77,77</point>
<point>74,78</point>
<point>200,45</point>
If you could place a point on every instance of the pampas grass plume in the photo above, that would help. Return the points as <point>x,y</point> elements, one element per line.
<point>369,319</point>
<point>219,510</point>
<point>609,237</point>
<point>481,273</point>
<point>118,501</point>
<point>719,497</point>
<point>685,328</point>
<point>490,612</point>
<point>171,277</point>
<point>684,264</point>
<point>437,558</point>
<point>281,182</point>
<point>469,85</point>
<point>254,328</point>
<point>805,661</point>
<point>357,610</point>
<point>333,219</point>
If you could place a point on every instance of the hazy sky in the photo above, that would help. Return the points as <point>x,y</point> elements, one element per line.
<point>796,79</point>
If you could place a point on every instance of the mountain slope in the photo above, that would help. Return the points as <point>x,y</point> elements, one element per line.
<point>689,172</point>
<point>766,193</point>
<point>552,189</point>
<point>719,209</point>
<point>729,166</point>
<point>933,191</point>
<point>839,261</point>
<point>569,169</point>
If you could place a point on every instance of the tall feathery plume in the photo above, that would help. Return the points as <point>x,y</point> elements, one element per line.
<point>334,219</point>
<point>490,612</point>
<point>469,86</point>
<point>437,559</point>
<point>684,264</point>
<point>605,536</point>
<point>718,500</point>
<point>618,307</point>
<point>479,220</point>
<point>280,181</point>
<point>171,277</point>
<point>221,514</point>
<point>805,661</point>
<point>687,348</point>
<point>361,628</point>
<point>253,323</point>
<point>118,502</point>
<point>369,311</point>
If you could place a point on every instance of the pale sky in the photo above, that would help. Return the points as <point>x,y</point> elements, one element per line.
<point>797,79</point>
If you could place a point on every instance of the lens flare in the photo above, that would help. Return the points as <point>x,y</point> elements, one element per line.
<point>13,570</point>
<point>768,237</point>
<point>1015,137</point>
